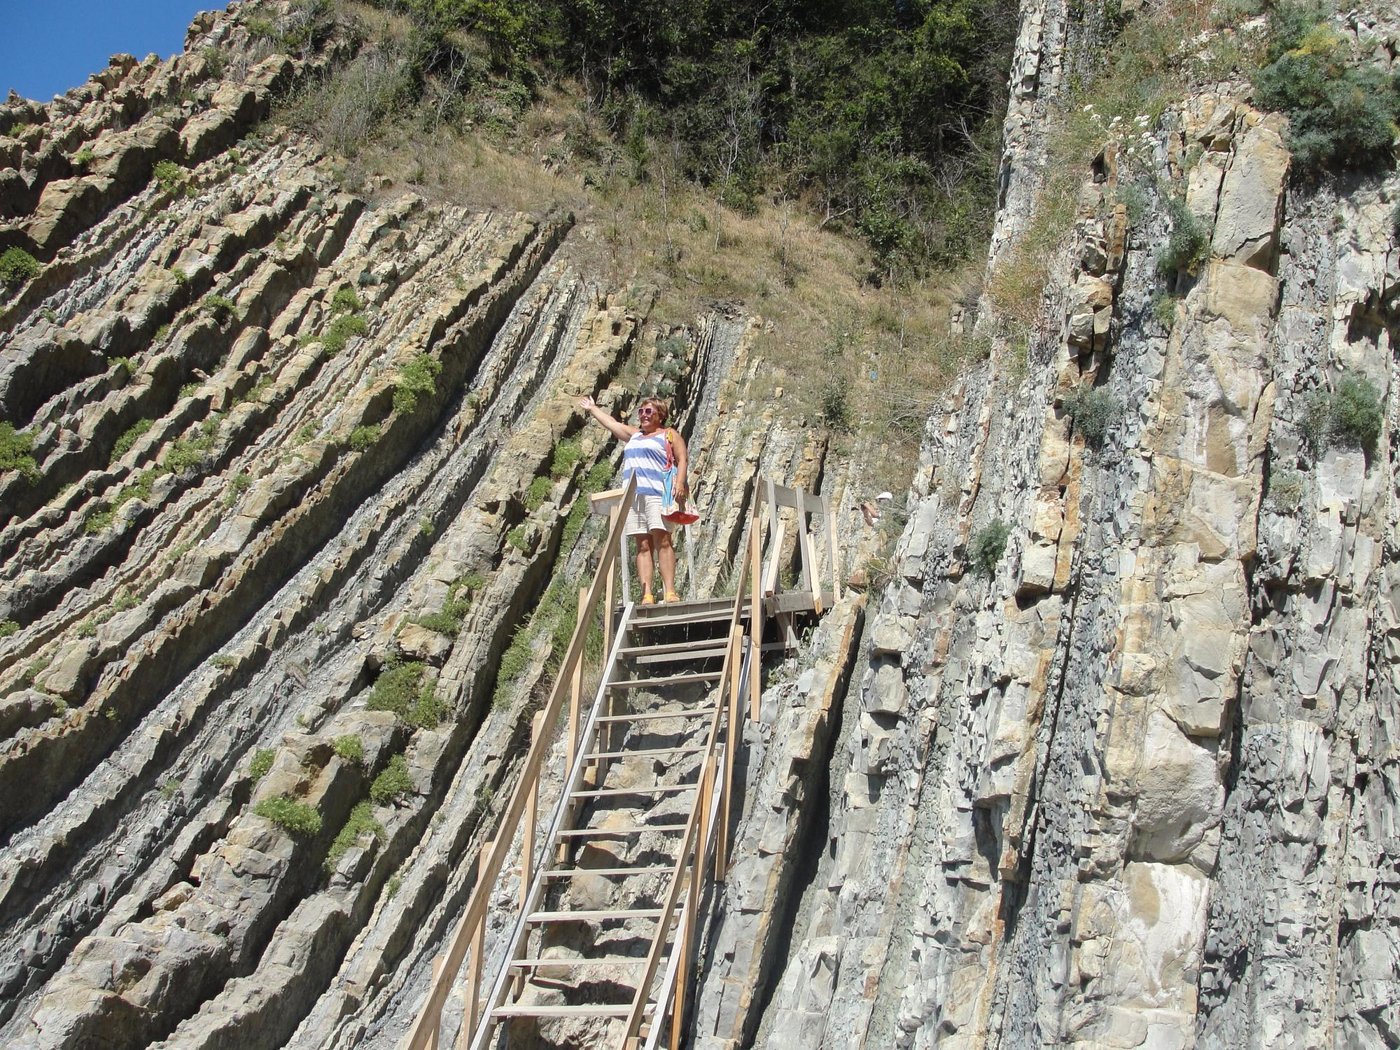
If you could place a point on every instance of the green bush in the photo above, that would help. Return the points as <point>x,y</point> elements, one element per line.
<point>261,763</point>
<point>364,437</point>
<point>836,406</point>
<point>988,546</point>
<point>83,157</point>
<point>1341,109</point>
<point>124,443</point>
<point>168,175</point>
<point>290,815</point>
<point>8,627</point>
<point>400,688</point>
<point>1352,416</point>
<point>345,301</point>
<point>419,376</point>
<point>16,447</point>
<point>1286,488</point>
<point>350,747</point>
<point>1356,413</point>
<point>360,823</point>
<point>517,538</point>
<point>219,307</point>
<point>537,493</point>
<point>513,663</point>
<point>341,330</point>
<point>566,456</point>
<point>1188,245</point>
<point>18,266</point>
<point>1092,411</point>
<point>392,783</point>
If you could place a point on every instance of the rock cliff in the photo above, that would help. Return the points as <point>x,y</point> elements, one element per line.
<point>282,583</point>
<point>1132,787</point>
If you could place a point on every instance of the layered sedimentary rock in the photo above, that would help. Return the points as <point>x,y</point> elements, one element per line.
<point>1135,787</point>
<point>306,461</point>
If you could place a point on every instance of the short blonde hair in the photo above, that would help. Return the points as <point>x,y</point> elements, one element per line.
<point>663,410</point>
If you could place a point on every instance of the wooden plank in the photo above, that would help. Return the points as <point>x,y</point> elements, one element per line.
<point>659,789</point>
<point>793,498</point>
<point>650,716</point>
<point>675,679</point>
<point>672,619</point>
<point>615,960</point>
<point>755,617</point>
<point>669,647</point>
<point>569,873</point>
<point>648,659</point>
<point>647,752</point>
<point>617,833</point>
<point>596,1010</point>
<point>593,915</point>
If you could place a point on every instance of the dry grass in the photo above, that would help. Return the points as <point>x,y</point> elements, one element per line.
<point>884,353</point>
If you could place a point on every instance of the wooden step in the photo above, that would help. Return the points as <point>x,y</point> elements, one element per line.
<point>678,679</point>
<point>672,615</point>
<point>646,753</point>
<point>648,716</point>
<point>647,655</point>
<point>569,873</point>
<point>658,789</point>
<point>616,960</point>
<point>627,832</point>
<point>593,915</point>
<point>594,1010</point>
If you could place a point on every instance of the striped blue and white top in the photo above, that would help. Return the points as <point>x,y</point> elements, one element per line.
<point>645,456</point>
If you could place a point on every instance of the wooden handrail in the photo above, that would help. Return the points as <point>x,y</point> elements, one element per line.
<point>424,1031</point>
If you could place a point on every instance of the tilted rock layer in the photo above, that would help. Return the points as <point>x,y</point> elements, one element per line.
<point>1136,787</point>
<point>306,467</point>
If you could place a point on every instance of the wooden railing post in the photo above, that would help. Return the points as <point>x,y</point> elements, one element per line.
<point>755,609</point>
<point>478,947</point>
<point>733,733</point>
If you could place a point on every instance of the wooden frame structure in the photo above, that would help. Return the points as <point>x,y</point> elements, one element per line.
<point>527,844</point>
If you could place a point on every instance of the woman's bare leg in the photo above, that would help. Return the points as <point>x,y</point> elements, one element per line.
<point>666,557</point>
<point>644,563</point>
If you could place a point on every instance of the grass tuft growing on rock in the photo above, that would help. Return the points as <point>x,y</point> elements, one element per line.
<point>261,762</point>
<point>417,377</point>
<point>1093,412</point>
<point>16,448</point>
<point>392,783</point>
<point>360,823</point>
<point>401,688</point>
<point>291,815</point>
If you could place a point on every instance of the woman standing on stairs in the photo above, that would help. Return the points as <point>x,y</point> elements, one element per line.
<point>652,450</point>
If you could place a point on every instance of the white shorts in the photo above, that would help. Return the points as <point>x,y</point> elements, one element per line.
<point>644,516</point>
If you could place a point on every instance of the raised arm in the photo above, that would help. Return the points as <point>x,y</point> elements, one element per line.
<point>621,431</point>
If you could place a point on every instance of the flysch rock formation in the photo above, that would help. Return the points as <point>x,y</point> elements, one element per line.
<point>1137,788</point>
<point>285,519</point>
<point>308,465</point>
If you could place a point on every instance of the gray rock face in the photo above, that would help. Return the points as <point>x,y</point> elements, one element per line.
<point>1136,789</point>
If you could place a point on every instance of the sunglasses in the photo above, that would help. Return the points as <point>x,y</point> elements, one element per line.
<point>646,411</point>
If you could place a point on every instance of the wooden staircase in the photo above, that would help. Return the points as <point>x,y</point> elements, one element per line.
<point>618,828</point>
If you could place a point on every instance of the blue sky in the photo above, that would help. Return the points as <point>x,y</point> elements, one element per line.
<point>49,46</point>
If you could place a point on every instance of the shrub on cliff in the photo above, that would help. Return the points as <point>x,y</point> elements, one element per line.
<point>1341,113</point>
<point>16,447</point>
<point>17,266</point>
<point>1092,411</point>
<point>290,815</point>
<point>1351,415</point>
<point>988,546</point>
